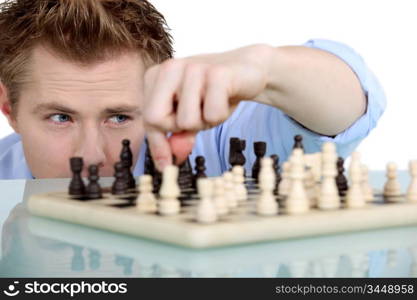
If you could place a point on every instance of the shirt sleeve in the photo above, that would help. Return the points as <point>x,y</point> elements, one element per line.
<point>254,121</point>
<point>349,139</point>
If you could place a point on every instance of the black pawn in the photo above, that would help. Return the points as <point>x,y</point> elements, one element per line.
<point>236,157</point>
<point>126,157</point>
<point>76,187</point>
<point>200,168</point>
<point>275,165</point>
<point>119,186</point>
<point>341,181</point>
<point>150,169</point>
<point>260,149</point>
<point>298,142</point>
<point>93,188</point>
<point>185,175</point>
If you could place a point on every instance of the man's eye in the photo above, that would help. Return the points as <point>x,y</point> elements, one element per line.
<point>118,119</point>
<point>60,118</point>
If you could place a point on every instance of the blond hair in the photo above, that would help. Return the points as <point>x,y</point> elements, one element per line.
<point>81,31</point>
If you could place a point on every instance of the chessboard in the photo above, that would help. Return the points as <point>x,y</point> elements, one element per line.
<point>310,197</point>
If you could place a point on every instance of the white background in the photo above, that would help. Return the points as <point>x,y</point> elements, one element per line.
<point>383,32</point>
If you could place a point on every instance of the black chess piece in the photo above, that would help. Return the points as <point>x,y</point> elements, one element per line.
<point>185,175</point>
<point>236,157</point>
<point>298,142</point>
<point>119,186</point>
<point>260,149</point>
<point>150,169</point>
<point>93,190</point>
<point>275,165</point>
<point>341,181</point>
<point>76,186</point>
<point>200,168</point>
<point>126,157</point>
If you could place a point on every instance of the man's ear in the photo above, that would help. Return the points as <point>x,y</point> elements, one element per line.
<point>6,107</point>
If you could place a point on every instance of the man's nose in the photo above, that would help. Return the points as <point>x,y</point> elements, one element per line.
<point>90,147</point>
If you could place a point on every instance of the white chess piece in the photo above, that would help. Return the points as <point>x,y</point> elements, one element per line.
<point>146,201</point>
<point>238,173</point>
<point>229,192</point>
<point>285,184</point>
<point>297,201</point>
<point>329,194</point>
<point>392,187</point>
<point>266,204</point>
<point>206,210</point>
<point>169,192</point>
<point>219,198</point>
<point>354,196</point>
<point>412,188</point>
<point>367,190</point>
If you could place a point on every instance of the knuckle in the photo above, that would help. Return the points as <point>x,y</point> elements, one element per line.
<point>217,72</point>
<point>172,65</point>
<point>215,117</point>
<point>189,124</point>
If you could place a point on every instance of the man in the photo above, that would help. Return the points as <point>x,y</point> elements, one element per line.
<point>77,77</point>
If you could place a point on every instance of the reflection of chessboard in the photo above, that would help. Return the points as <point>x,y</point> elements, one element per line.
<point>120,214</point>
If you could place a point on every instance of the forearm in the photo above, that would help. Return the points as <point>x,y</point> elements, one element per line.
<point>314,87</point>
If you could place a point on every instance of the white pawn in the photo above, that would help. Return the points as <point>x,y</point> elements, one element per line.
<point>146,201</point>
<point>392,187</point>
<point>412,188</point>
<point>367,190</point>
<point>239,181</point>
<point>329,194</point>
<point>229,191</point>
<point>219,198</point>
<point>206,210</point>
<point>354,196</point>
<point>285,184</point>
<point>297,201</point>
<point>310,186</point>
<point>169,192</point>
<point>266,204</point>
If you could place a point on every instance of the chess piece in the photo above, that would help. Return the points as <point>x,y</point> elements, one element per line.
<point>297,201</point>
<point>76,186</point>
<point>199,168</point>
<point>169,192</point>
<point>354,196</point>
<point>329,194</point>
<point>341,180</point>
<point>285,183</point>
<point>392,187</point>
<point>276,168</point>
<point>310,186</point>
<point>206,210</point>
<point>239,183</point>
<point>412,188</point>
<point>150,169</point>
<point>260,149</point>
<point>126,158</point>
<point>219,197</point>
<point>146,201</point>
<point>298,142</point>
<point>93,188</point>
<point>229,192</point>
<point>185,175</point>
<point>119,186</point>
<point>236,157</point>
<point>266,204</point>
<point>367,190</point>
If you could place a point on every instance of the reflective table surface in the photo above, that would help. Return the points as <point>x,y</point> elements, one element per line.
<point>38,247</point>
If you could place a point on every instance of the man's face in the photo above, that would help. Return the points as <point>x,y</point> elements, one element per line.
<point>66,110</point>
